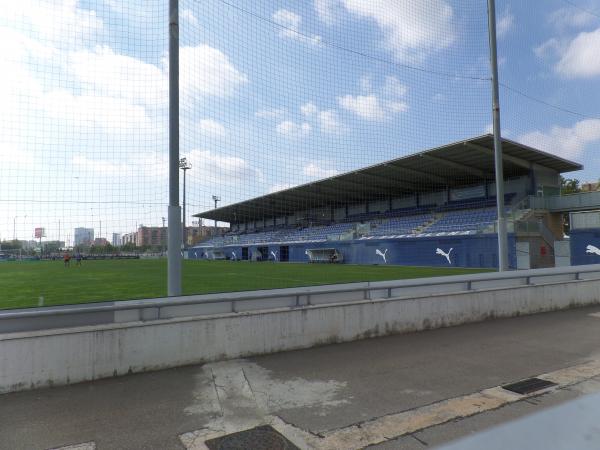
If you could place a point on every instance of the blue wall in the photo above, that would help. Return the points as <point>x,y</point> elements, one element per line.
<point>468,251</point>
<point>580,239</point>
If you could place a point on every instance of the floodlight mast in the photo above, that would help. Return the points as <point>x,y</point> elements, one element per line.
<point>498,163</point>
<point>174,213</point>
<point>185,166</point>
<point>216,199</point>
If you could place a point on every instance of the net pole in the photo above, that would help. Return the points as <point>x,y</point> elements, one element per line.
<point>499,169</point>
<point>174,213</point>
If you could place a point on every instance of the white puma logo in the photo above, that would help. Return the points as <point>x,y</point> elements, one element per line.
<point>382,254</point>
<point>592,249</point>
<point>441,252</point>
<point>274,255</point>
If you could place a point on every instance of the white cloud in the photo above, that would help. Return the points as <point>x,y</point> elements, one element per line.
<point>187,15</point>
<point>102,72</point>
<point>226,169</point>
<point>212,128</point>
<point>571,18</point>
<point>292,129</point>
<point>326,10</point>
<point>564,141</point>
<point>313,170</point>
<point>110,115</point>
<point>13,157</point>
<point>412,29</point>
<point>58,22</point>
<point>377,106</point>
<point>309,109</point>
<point>205,70</point>
<point>393,87</point>
<point>98,166</point>
<point>290,21</point>
<point>329,122</point>
<point>397,107</point>
<point>365,106</point>
<point>366,84</point>
<point>505,24</point>
<point>580,58</point>
<point>280,187</point>
<point>276,113</point>
<point>549,47</point>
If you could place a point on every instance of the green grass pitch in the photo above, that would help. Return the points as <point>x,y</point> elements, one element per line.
<point>23,283</point>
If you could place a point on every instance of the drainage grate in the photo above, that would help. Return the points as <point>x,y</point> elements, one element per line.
<point>528,386</point>
<point>260,438</point>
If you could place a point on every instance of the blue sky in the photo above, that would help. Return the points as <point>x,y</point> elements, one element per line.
<point>273,94</point>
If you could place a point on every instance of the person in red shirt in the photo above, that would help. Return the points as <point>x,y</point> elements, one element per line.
<point>67,259</point>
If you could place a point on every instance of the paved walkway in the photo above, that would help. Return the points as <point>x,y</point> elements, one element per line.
<point>410,391</point>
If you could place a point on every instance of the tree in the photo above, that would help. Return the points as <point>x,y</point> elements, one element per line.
<point>569,186</point>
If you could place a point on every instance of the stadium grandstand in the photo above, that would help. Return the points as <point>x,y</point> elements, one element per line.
<point>432,208</point>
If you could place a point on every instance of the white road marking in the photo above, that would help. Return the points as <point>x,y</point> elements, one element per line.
<point>84,446</point>
<point>597,315</point>
<point>391,426</point>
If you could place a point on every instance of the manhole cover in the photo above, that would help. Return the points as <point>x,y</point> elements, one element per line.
<point>260,438</point>
<point>528,386</point>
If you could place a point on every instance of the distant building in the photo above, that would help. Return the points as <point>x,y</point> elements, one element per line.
<point>100,242</point>
<point>83,236</point>
<point>590,187</point>
<point>129,238</point>
<point>116,240</point>
<point>195,235</point>
<point>151,236</point>
<point>56,244</point>
<point>157,236</point>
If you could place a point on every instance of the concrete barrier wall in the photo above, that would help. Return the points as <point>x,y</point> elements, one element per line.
<point>60,356</point>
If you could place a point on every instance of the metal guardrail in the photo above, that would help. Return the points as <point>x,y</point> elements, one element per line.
<point>151,309</point>
<point>573,202</point>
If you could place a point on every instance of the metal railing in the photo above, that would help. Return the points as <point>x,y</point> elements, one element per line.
<point>236,302</point>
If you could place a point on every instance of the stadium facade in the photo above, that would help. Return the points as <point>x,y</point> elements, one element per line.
<point>432,208</point>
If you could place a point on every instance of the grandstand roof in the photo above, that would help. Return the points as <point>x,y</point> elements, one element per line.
<point>461,163</point>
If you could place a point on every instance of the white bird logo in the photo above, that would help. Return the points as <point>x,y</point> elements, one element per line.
<point>592,249</point>
<point>382,254</point>
<point>274,255</point>
<point>234,255</point>
<point>441,252</point>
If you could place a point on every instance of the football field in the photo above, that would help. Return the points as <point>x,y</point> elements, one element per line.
<point>22,283</point>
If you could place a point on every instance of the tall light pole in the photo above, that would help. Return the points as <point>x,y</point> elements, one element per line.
<point>185,166</point>
<point>498,163</point>
<point>174,248</point>
<point>216,199</point>
<point>162,236</point>
<point>15,226</point>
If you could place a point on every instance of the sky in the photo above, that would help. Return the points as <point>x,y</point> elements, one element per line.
<point>272,94</point>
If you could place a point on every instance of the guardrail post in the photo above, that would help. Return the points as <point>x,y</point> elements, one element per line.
<point>308,302</point>
<point>233,306</point>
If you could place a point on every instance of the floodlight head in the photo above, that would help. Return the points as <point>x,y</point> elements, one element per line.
<point>184,164</point>
<point>216,198</point>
